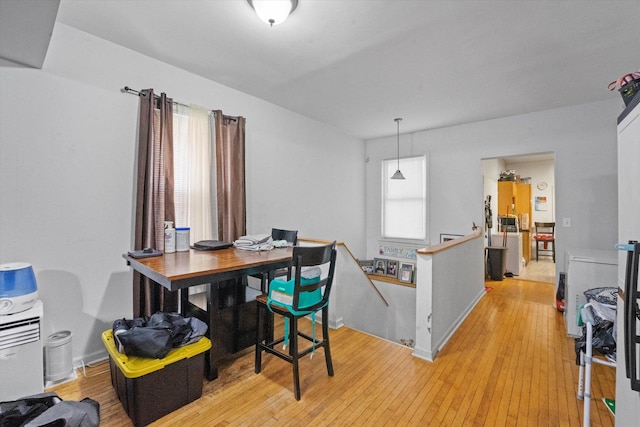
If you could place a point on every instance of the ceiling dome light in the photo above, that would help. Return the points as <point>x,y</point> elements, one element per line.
<point>273,12</point>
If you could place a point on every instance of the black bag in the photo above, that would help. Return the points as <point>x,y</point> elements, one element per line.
<point>145,341</point>
<point>157,336</point>
<point>48,410</point>
<point>601,340</point>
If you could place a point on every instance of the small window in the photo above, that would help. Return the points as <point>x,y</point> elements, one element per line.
<point>404,206</point>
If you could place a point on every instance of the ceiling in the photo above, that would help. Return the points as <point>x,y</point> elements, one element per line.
<point>25,31</point>
<point>358,64</point>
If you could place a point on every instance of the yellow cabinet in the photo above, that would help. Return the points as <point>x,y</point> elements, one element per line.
<point>515,198</point>
<point>526,245</point>
<point>507,195</point>
<point>523,205</point>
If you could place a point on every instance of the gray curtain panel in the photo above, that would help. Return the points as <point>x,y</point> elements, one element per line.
<point>154,196</point>
<point>231,188</point>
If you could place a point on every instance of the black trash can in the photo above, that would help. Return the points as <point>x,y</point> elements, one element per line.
<point>496,261</point>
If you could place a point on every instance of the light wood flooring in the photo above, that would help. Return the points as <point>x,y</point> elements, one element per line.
<point>510,363</point>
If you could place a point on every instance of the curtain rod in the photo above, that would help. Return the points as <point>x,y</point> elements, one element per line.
<point>127,89</point>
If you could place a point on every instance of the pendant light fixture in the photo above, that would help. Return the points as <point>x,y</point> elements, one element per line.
<point>398,174</point>
<point>273,12</point>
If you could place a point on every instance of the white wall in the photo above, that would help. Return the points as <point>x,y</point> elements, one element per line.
<point>68,144</point>
<point>446,293</point>
<point>376,152</point>
<point>583,139</point>
<point>491,169</point>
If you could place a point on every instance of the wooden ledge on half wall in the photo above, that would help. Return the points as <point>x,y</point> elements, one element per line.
<point>389,279</point>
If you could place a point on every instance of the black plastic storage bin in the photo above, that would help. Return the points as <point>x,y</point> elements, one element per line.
<point>152,388</point>
<point>496,261</point>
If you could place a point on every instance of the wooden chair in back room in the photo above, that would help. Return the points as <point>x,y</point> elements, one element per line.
<point>545,235</point>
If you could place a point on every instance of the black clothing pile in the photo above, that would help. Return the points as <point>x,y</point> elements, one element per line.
<point>48,410</point>
<point>156,337</point>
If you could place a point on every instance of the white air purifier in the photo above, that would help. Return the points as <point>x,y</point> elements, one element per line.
<point>18,288</point>
<point>57,356</point>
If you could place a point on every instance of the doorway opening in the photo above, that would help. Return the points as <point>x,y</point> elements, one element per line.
<point>520,191</point>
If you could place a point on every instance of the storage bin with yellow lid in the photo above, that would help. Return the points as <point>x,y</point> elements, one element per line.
<point>152,388</point>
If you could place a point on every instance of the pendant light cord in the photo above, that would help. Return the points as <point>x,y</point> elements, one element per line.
<point>398,120</point>
<point>398,174</point>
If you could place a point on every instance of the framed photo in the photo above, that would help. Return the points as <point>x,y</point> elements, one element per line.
<point>379,266</point>
<point>447,237</point>
<point>366,265</point>
<point>406,272</point>
<point>392,268</point>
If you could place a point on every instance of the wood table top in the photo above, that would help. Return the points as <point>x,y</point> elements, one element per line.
<point>181,269</point>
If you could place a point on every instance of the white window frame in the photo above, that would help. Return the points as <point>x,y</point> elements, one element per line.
<point>411,193</point>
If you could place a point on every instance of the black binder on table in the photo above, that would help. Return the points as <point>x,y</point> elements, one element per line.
<point>211,245</point>
<point>145,253</point>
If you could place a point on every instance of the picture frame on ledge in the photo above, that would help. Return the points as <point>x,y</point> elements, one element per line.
<point>392,268</point>
<point>379,266</point>
<point>366,265</point>
<point>447,237</point>
<point>406,272</point>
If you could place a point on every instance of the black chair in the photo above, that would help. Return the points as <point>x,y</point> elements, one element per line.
<point>302,296</point>
<point>545,234</point>
<point>291,236</point>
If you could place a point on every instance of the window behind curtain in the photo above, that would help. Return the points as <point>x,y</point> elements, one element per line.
<point>180,166</point>
<point>194,172</point>
<point>404,202</point>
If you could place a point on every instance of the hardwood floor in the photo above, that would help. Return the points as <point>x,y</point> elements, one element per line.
<point>510,363</point>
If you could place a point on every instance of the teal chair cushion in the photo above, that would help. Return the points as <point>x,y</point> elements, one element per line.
<point>281,293</point>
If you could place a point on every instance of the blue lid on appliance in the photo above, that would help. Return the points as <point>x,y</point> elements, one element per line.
<point>16,279</point>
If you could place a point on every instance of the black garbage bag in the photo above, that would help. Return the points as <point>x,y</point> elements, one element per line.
<point>156,337</point>
<point>602,340</point>
<point>185,330</point>
<point>143,341</point>
<point>602,305</point>
<point>47,409</point>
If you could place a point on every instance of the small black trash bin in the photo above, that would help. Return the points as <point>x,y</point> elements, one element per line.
<point>496,261</point>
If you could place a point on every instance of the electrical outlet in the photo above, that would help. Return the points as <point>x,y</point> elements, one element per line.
<point>566,222</point>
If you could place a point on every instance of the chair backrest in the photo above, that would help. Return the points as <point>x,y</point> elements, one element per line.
<point>546,228</point>
<point>313,256</point>
<point>290,236</point>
